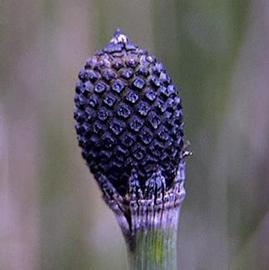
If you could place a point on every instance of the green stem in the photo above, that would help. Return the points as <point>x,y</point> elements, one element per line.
<point>154,250</point>
<point>153,244</point>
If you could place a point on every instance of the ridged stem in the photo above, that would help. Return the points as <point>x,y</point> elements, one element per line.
<point>155,248</point>
<point>153,244</point>
<point>149,218</point>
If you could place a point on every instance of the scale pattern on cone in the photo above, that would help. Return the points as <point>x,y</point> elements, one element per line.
<point>128,115</point>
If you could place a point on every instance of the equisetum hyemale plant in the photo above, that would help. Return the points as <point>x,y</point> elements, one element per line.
<point>130,128</point>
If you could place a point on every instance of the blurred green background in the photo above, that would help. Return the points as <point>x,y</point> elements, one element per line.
<point>51,212</point>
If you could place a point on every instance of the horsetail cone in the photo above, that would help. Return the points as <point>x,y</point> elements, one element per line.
<point>129,121</point>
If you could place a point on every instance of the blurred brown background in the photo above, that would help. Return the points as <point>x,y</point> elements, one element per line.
<point>51,212</point>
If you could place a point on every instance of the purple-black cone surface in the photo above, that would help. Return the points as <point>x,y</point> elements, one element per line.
<point>128,115</point>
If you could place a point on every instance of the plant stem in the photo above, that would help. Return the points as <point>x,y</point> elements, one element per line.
<point>154,249</point>
<point>149,219</point>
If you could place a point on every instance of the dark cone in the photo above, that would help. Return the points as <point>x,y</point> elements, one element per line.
<point>129,115</point>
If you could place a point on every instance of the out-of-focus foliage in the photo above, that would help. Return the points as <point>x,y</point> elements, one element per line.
<point>51,212</point>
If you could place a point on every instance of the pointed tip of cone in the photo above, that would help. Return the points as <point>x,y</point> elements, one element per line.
<point>119,37</point>
<point>117,32</point>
